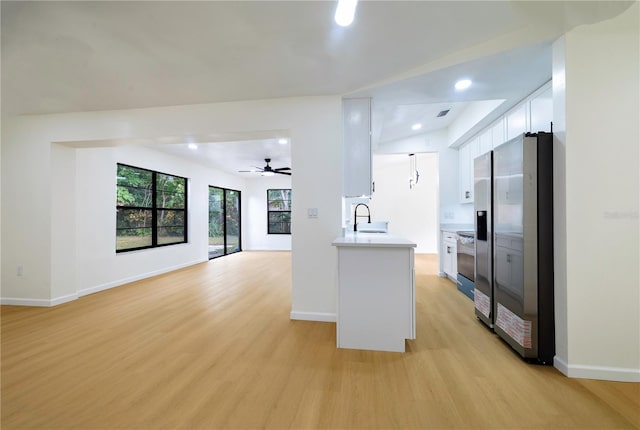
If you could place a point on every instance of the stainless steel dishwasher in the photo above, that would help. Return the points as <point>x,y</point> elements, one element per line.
<point>466,262</point>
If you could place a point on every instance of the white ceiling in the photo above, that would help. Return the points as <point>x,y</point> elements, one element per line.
<point>396,119</point>
<point>86,55</point>
<point>233,156</point>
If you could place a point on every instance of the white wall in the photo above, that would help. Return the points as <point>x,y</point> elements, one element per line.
<point>412,213</point>
<point>599,236</point>
<point>26,212</point>
<point>451,211</point>
<point>98,266</point>
<point>64,222</point>
<point>255,232</point>
<point>33,166</point>
<point>560,199</point>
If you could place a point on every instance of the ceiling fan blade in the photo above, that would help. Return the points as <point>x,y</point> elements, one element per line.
<point>268,168</point>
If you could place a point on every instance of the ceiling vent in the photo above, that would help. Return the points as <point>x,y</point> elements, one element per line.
<point>442,113</point>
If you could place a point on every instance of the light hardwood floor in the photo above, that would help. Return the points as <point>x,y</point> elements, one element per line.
<point>211,346</point>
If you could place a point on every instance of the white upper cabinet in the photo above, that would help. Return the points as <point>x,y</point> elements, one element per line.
<point>463,174</point>
<point>466,155</point>
<point>531,115</point>
<point>497,133</point>
<point>517,122</point>
<point>485,141</point>
<point>357,147</point>
<point>541,109</point>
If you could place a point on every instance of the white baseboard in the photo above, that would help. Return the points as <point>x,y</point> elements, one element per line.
<point>63,299</point>
<point>605,373</point>
<point>313,316</point>
<point>108,285</point>
<point>561,365</point>
<point>14,301</point>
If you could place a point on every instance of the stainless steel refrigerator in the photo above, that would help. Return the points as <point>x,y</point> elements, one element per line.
<point>514,244</point>
<point>483,209</point>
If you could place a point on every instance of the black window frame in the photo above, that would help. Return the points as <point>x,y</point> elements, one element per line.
<point>224,228</point>
<point>269,211</point>
<point>155,210</point>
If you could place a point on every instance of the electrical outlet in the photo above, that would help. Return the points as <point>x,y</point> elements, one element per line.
<point>312,213</point>
<point>20,270</point>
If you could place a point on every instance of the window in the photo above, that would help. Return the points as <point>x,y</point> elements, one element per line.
<point>151,209</point>
<point>279,211</point>
<point>224,222</point>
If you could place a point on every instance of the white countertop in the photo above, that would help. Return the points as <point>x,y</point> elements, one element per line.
<point>373,240</point>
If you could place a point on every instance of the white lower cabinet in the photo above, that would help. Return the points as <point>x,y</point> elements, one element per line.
<point>449,255</point>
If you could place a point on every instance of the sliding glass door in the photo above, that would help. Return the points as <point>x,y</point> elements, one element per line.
<point>232,218</point>
<point>224,222</point>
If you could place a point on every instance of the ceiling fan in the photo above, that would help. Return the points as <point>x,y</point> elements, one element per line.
<point>268,170</point>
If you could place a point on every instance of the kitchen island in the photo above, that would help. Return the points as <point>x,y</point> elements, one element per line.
<point>376,292</point>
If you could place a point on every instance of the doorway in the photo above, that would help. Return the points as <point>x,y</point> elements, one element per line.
<point>409,201</point>
<point>224,222</point>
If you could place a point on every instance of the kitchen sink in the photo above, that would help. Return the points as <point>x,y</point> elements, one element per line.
<point>373,227</point>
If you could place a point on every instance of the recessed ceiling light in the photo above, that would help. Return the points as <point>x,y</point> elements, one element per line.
<point>345,11</point>
<point>193,146</point>
<point>463,84</point>
<point>282,141</point>
<point>417,126</point>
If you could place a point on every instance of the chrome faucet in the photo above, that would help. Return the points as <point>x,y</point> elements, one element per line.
<point>355,216</point>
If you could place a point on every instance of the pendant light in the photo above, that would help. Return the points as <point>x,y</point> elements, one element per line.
<point>413,171</point>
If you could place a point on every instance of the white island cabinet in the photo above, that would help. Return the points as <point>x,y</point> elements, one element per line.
<point>376,292</point>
